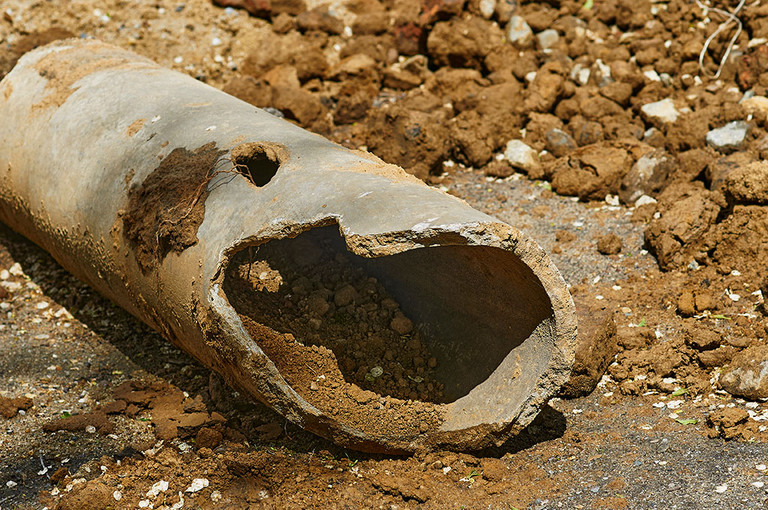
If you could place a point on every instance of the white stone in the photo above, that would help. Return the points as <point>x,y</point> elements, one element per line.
<point>547,38</point>
<point>643,200</point>
<point>157,488</point>
<point>487,8</point>
<point>198,484</point>
<point>652,75</point>
<point>521,156</point>
<point>519,32</point>
<point>663,111</point>
<point>729,137</point>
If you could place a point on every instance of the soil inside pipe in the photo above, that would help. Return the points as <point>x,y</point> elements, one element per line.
<point>418,329</point>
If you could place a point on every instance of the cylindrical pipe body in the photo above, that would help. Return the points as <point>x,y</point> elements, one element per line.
<point>132,177</point>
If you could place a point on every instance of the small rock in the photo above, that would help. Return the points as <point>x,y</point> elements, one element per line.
<point>757,106</point>
<point>685,304</point>
<point>258,8</point>
<point>401,324</point>
<point>197,484</point>
<point>547,38</point>
<point>729,137</point>
<point>487,8</point>
<point>505,9</point>
<point>320,19</point>
<point>724,422</point>
<point>748,184</point>
<point>269,431</point>
<point>9,407</point>
<point>345,296</point>
<point>617,91</point>
<point>496,168</point>
<point>654,137</point>
<point>519,33</point>
<point>747,374</point>
<point>596,346</point>
<point>644,200</point>
<point>660,112</point>
<point>208,438</point>
<point>521,156</point>
<point>559,143</point>
<point>317,304</point>
<point>717,357</point>
<point>609,244</point>
<point>647,176</point>
<point>580,74</point>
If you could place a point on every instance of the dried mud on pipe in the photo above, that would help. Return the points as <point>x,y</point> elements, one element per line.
<point>166,210</point>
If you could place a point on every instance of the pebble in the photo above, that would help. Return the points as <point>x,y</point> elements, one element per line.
<point>401,324</point>
<point>117,495</point>
<point>652,75</point>
<point>559,143</point>
<point>197,484</point>
<point>345,296</point>
<point>16,270</point>
<point>644,200</point>
<point>521,156</point>
<point>487,8</point>
<point>721,488</point>
<point>747,374</point>
<point>274,111</point>
<point>548,38</point>
<point>580,74</point>
<point>648,173</point>
<point>157,488</point>
<point>519,32</point>
<point>663,111</point>
<point>729,137</point>
<point>317,305</point>
<point>755,105</point>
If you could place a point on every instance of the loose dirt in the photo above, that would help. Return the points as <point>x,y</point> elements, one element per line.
<point>665,236</point>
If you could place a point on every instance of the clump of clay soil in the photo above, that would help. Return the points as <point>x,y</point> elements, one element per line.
<point>317,296</point>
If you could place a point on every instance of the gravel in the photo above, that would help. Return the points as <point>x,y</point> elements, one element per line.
<point>663,112</point>
<point>729,137</point>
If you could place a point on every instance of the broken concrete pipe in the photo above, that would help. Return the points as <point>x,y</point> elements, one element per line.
<point>339,290</point>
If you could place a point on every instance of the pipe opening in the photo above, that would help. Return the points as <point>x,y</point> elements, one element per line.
<point>259,163</point>
<point>430,324</point>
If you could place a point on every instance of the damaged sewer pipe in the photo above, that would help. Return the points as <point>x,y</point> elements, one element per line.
<point>154,188</point>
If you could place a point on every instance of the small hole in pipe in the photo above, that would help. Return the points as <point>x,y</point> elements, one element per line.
<point>258,163</point>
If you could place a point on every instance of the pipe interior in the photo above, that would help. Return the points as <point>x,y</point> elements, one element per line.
<point>471,308</point>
